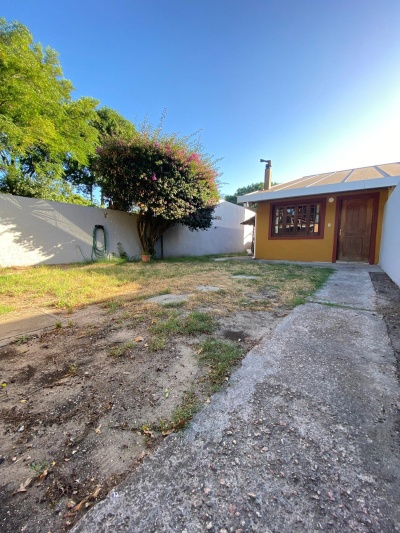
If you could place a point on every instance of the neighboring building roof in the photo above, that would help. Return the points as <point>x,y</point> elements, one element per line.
<point>250,221</point>
<point>387,175</point>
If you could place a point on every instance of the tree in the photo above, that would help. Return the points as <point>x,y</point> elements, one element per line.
<point>246,190</point>
<point>107,122</point>
<point>166,178</point>
<point>41,126</point>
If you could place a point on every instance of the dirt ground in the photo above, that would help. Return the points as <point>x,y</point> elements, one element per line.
<point>388,305</point>
<point>77,416</point>
<point>81,408</point>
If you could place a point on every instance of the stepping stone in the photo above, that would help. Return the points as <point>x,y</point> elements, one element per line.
<point>207,288</point>
<point>164,299</point>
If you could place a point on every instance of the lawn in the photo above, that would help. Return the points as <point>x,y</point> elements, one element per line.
<point>72,286</point>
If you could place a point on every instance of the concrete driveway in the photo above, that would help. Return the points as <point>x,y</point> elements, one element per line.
<point>305,438</point>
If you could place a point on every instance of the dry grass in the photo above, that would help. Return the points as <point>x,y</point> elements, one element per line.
<point>119,284</point>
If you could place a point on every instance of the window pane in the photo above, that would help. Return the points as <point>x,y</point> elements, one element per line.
<point>296,220</point>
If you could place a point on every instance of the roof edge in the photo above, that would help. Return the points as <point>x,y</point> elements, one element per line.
<point>378,183</point>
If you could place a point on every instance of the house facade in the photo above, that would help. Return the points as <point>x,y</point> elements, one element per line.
<point>329,217</point>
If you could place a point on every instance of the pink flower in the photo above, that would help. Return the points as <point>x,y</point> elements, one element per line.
<point>154,177</point>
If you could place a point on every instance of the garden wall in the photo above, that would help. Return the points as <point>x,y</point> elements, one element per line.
<point>390,242</point>
<point>226,235</point>
<point>34,232</point>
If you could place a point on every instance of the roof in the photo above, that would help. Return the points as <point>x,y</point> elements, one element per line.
<point>250,221</point>
<point>374,177</point>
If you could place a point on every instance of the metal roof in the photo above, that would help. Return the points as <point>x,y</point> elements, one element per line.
<point>387,175</point>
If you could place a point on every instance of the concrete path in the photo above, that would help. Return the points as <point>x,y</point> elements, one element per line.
<point>304,439</point>
<point>24,323</point>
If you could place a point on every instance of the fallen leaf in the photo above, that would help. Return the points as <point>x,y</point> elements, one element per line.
<point>166,393</point>
<point>81,503</point>
<point>97,430</point>
<point>24,486</point>
<point>43,475</point>
<point>139,338</point>
<point>70,504</point>
<point>23,401</point>
<point>4,384</point>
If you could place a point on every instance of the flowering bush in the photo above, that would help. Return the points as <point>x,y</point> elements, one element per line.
<point>166,178</point>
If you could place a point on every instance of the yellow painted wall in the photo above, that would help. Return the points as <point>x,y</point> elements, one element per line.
<point>306,249</point>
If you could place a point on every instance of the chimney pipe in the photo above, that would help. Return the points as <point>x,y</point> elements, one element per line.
<point>267,173</point>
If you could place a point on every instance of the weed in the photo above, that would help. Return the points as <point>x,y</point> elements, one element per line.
<point>157,343</point>
<point>72,369</point>
<point>58,325</point>
<point>113,305</point>
<point>220,356</point>
<point>195,322</point>
<point>169,325</point>
<point>5,309</point>
<point>174,304</point>
<point>39,468</point>
<point>181,415</point>
<point>199,323</point>
<point>121,350</point>
<point>22,339</point>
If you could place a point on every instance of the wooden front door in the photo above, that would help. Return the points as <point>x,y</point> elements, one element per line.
<point>355,229</point>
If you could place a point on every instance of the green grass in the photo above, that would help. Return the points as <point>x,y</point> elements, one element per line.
<point>71,286</point>
<point>182,414</point>
<point>220,356</point>
<point>122,349</point>
<point>173,323</point>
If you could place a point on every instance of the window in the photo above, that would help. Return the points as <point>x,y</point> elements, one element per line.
<point>298,219</point>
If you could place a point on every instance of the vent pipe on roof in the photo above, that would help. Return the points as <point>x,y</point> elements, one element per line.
<point>267,173</point>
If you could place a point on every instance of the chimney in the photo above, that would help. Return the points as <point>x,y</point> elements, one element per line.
<point>267,174</point>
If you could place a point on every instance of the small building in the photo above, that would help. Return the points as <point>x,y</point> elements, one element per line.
<point>336,216</point>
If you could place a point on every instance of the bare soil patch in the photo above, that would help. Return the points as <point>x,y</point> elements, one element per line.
<point>83,404</point>
<point>388,304</point>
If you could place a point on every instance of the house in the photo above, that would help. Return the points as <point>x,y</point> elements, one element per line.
<point>336,216</point>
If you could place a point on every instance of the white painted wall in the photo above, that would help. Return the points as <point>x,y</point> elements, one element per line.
<point>389,258</point>
<point>225,236</point>
<point>34,232</point>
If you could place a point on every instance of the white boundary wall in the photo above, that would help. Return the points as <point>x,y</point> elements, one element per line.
<point>389,258</point>
<point>34,232</point>
<point>226,235</point>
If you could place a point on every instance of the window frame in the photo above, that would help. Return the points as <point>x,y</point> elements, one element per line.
<point>287,202</point>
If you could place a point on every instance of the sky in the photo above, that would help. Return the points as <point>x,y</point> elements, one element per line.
<point>313,85</point>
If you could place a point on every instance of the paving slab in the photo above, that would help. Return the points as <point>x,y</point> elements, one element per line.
<point>31,321</point>
<point>304,439</point>
<point>165,299</point>
<point>207,288</point>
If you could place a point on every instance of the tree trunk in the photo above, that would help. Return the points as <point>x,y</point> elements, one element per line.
<point>150,229</point>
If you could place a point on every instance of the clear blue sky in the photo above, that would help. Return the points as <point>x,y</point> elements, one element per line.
<point>313,85</point>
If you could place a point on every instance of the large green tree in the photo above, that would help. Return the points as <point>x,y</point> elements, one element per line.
<point>41,126</point>
<point>108,123</point>
<point>165,178</point>
<point>245,190</point>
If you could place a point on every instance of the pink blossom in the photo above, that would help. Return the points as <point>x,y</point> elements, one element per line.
<point>154,177</point>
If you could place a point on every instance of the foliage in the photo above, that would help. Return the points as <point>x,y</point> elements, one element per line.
<point>166,178</point>
<point>107,122</point>
<point>245,190</point>
<point>40,124</point>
